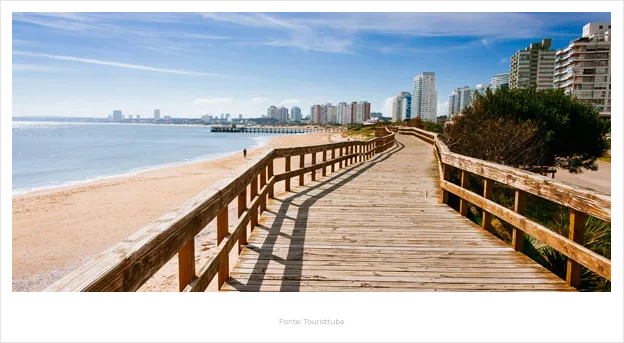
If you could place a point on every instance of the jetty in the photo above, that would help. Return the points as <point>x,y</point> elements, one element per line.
<point>361,216</point>
<point>272,129</point>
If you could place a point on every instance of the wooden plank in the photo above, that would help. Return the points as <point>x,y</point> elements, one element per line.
<point>333,157</point>
<point>222,232</point>
<point>313,173</point>
<point>186,264</point>
<point>324,170</point>
<point>253,194</point>
<point>576,234</point>
<point>301,166</point>
<point>517,237</point>
<point>446,177</point>
<point>271,193</point>
<point>591,260</point>
<point>262,183</point>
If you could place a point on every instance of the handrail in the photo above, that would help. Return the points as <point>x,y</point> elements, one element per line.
<point>580,200</point>
<point>130,263</point>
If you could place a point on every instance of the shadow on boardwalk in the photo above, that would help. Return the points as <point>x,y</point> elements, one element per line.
<point>292,275</point>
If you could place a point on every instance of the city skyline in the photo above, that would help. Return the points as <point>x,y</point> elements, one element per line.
<point>192,64</point>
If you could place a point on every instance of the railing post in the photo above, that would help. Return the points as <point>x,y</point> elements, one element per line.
<point>314,166</point>
<point>301,166</point>
<point>517,237</point>
<point>262,184</point>
<point>446,169</point>
<point>186,264</point>
<point>486,221</point>
<point>252,196</point>
<point>463,204</point>
<point>576,234</point>
<point>222,232</point>
<point>340,163</point>
<point>324,172</point>
<point>242,207</point>
<point>287,169</point>
<point>333,156</point>
<point>270,175</point>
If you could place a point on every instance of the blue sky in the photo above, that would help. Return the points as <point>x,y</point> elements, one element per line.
<point>190,64</point>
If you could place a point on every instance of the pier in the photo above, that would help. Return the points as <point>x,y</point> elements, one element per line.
<point>362,216</point>
<point>262,129</point>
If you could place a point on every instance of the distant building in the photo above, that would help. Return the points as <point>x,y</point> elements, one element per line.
<point>282,114</point>
<point>295,114</point>
<point>401,107</point>
<point>167,118</point>
<point>157,114</point>
<point>130,116</point>
<point>480,89</point>
<point>117,116</point>
<point>272,112</point>
<point>376,114</point>
<point>441,119</point>
<point>240,117</point>
<point>533,66</point>
<point>362,111</point>
<point>138,117</point>
<point>583,69</point>
<point>425,97</point>
<point>499,81</point>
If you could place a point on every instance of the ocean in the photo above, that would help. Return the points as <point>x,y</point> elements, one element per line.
<point>54,154</point>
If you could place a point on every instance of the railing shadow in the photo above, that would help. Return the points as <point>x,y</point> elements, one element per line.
<point>293,264</point>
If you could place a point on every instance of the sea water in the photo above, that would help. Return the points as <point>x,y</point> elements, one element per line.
<point>53,154</point>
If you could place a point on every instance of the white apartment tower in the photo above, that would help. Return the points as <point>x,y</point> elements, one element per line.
<point>499,80</point>
<point>533,66</point>
<point>583,69</point>
<point>157,114</point>
<point>425,97</point>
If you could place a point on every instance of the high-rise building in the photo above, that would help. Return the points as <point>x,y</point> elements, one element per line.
<point>465,98</point>
<point>117,116</point>
<point>499,80</point>
<point>282,114</point>
<point>583,69</point>
<point>480,89</point>
<point>325,114</point>
<point>451,103</point>
<point>401,107</point>
<point>272,112</point>
<point>240,117</point>
<point>425,97</point>
<point>295,114</point>
<point>157,114</point>
<point>533,66</point>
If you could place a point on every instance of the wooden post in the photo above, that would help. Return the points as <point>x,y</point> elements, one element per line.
<point>340,163</point>
<point>324,172</point>
<point>222,231</point>
<point>463,204</point>
<point>301,165</point>
<point>576,234</point>
<point>517,237</point>
<point>262,184</point>
<point>333,165</point>
<point>447,175</point>
<point>486,221</point>
<point>242,207</point>
<point>313,166</point>
<point>270,175</point>
<point>287,169</point>
<point>186,264</point>
<point>252,196</point>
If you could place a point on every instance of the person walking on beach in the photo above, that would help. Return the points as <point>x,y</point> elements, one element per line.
<point>245,153</point>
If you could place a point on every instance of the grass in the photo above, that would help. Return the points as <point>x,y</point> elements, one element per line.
<point>605,159</point>
<point>364,132</point>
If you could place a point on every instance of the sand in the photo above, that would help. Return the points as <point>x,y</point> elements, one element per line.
<point>55,231</point>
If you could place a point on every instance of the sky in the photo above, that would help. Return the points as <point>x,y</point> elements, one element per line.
<point>191,64</point>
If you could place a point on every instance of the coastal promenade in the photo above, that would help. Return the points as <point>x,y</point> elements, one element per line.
<point>369,215</point>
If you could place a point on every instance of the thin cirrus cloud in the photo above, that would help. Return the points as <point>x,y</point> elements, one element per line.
<point>116,64</point>
<point>212,101</point>
<point>259,99</point>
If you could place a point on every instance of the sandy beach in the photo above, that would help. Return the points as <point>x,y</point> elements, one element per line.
<point>55,231</point>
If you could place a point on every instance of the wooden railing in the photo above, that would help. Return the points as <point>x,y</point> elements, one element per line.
<point>129,264</point>
<point>579,200</point>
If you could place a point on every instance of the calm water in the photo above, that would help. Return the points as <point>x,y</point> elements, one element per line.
<point>48,154</point>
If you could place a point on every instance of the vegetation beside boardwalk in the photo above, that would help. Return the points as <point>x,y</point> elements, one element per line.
<point>525,128</point>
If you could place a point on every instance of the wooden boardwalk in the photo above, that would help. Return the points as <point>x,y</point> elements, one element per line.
<point>378,226</point>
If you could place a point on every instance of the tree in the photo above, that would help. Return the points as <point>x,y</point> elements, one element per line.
<point>525,127</point>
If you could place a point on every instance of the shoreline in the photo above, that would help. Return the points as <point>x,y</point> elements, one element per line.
<point>56,230</point>
<point>40,190</point>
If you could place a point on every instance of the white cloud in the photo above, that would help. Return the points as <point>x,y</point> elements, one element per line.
<point>387,109</point>
<point>115,64</point>
<point>34,68</point>
<point>259,99</point>
<point>211,101</point>
<point>289,102</point>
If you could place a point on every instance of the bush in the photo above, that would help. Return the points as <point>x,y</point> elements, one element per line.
<point>524,127</point>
